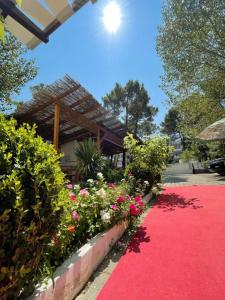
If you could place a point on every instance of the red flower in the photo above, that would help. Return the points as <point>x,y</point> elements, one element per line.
<point>138,198</point>
<point>134,210</point>
<point>120,199</point>
<point>56,242</point>
<point>73,197</point>
<point>71,228</point>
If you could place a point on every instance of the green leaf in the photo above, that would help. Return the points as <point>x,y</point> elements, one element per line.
<point>2,31</point>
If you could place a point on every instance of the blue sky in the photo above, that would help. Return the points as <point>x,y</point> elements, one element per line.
<point>84,49</point>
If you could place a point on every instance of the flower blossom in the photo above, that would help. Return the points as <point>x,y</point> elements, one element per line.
<point>75,216</point>
<point>71,228</point>
<point>105,216</point>
<point>69,186</point>
<point>84,192</point>
<point>100,175</point>
<point>91,181</point>
<point>114,207</point>
<point>134,210</point>
<point>73,197</point>
<point>101,193</point>
<point>120,199</point>
<point>146,182</point>
<point>111,185</point>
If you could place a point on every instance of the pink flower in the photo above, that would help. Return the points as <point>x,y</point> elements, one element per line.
<point>83,192</point>
<point>69,186</point>
<point>73,197</point>
<point>114,207</point>
<point>120,199</point>
<point>75,216</point>
<point>111,185</point>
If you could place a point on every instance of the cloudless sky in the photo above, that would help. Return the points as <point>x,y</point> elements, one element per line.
<point>83,49</point>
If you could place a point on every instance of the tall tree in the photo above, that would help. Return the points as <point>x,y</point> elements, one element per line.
<point>132,104</point>
<point>191,43</point>
<point>15,69</point>
<point>170,124</point>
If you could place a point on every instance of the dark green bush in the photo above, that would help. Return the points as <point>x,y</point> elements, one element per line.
<point>31,201</point>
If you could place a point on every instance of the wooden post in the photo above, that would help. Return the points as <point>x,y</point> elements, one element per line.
<point>124,159</point>
<point>98,139</point>
<point>56,124</point>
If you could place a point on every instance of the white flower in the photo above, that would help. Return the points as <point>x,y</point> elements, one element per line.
<point>101,193</point>
<point>146,182</point>
<point>123,180</point>
<point>90,181</point>
<point>155,190</point>
<point>105,216</point>
<point>100,175</point>
<point>76,187</point>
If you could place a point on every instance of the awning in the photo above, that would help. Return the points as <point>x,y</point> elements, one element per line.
<point>35,20</point>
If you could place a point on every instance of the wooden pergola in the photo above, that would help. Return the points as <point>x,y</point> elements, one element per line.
<point>66,111</point>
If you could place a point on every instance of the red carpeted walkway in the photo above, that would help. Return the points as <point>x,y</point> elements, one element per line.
<point>178,252</point>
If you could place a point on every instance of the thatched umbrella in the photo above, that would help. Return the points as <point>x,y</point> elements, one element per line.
<point>213,132</point>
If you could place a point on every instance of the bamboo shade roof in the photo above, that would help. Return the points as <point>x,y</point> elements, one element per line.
<point>81,115</point>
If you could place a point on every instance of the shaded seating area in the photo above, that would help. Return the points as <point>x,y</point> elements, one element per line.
<point>66,113</point>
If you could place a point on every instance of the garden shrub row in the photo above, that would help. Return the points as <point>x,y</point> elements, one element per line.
<point>43,219</point>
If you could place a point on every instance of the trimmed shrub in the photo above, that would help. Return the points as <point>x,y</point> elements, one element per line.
<point>32,196</point>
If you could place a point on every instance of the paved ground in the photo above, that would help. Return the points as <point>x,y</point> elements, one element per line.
<point>175,175</point>
<point>181,174</point>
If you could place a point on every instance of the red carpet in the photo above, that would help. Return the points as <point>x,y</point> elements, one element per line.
<point>178,252</point>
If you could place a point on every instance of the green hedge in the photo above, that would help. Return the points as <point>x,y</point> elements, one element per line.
<point>31,202</point>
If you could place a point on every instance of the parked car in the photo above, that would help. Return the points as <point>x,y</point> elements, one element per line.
<point>217,165</point>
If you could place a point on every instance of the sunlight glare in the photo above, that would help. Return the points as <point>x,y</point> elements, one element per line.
<point>112,16</point>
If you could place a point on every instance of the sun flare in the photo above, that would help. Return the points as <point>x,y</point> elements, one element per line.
<point>112,17</point>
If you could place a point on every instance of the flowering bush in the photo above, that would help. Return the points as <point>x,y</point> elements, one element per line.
<point>91,210</point>
<point>32,197</point>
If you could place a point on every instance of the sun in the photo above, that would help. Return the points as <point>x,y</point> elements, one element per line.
<point>112,16</point>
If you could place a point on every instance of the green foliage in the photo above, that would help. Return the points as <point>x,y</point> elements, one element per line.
<point>200,111</point>
<point>89,160</point>
<point>170,124</point>
<point>2,30</point>
<point>147,160</point>
<point>132,103</point>
<point>113,175</point>
<point>15,71</point>
<point>32,198</point>
<point>191,43</point>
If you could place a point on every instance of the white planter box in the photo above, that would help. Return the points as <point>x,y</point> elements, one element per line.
<point>73,274</point>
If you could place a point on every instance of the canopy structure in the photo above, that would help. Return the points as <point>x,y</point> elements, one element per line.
<point>35,20</point>
<point>214,132</point>
<point>66,111</point>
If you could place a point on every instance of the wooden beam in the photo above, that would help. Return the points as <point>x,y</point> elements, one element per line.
<point>98,139</point>
<point>56,125</point>
<point>79,119</point>
<point>52,100</point>
<point>73,137</point>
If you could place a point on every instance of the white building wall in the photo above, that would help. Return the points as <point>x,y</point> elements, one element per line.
<point>68,150</point>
